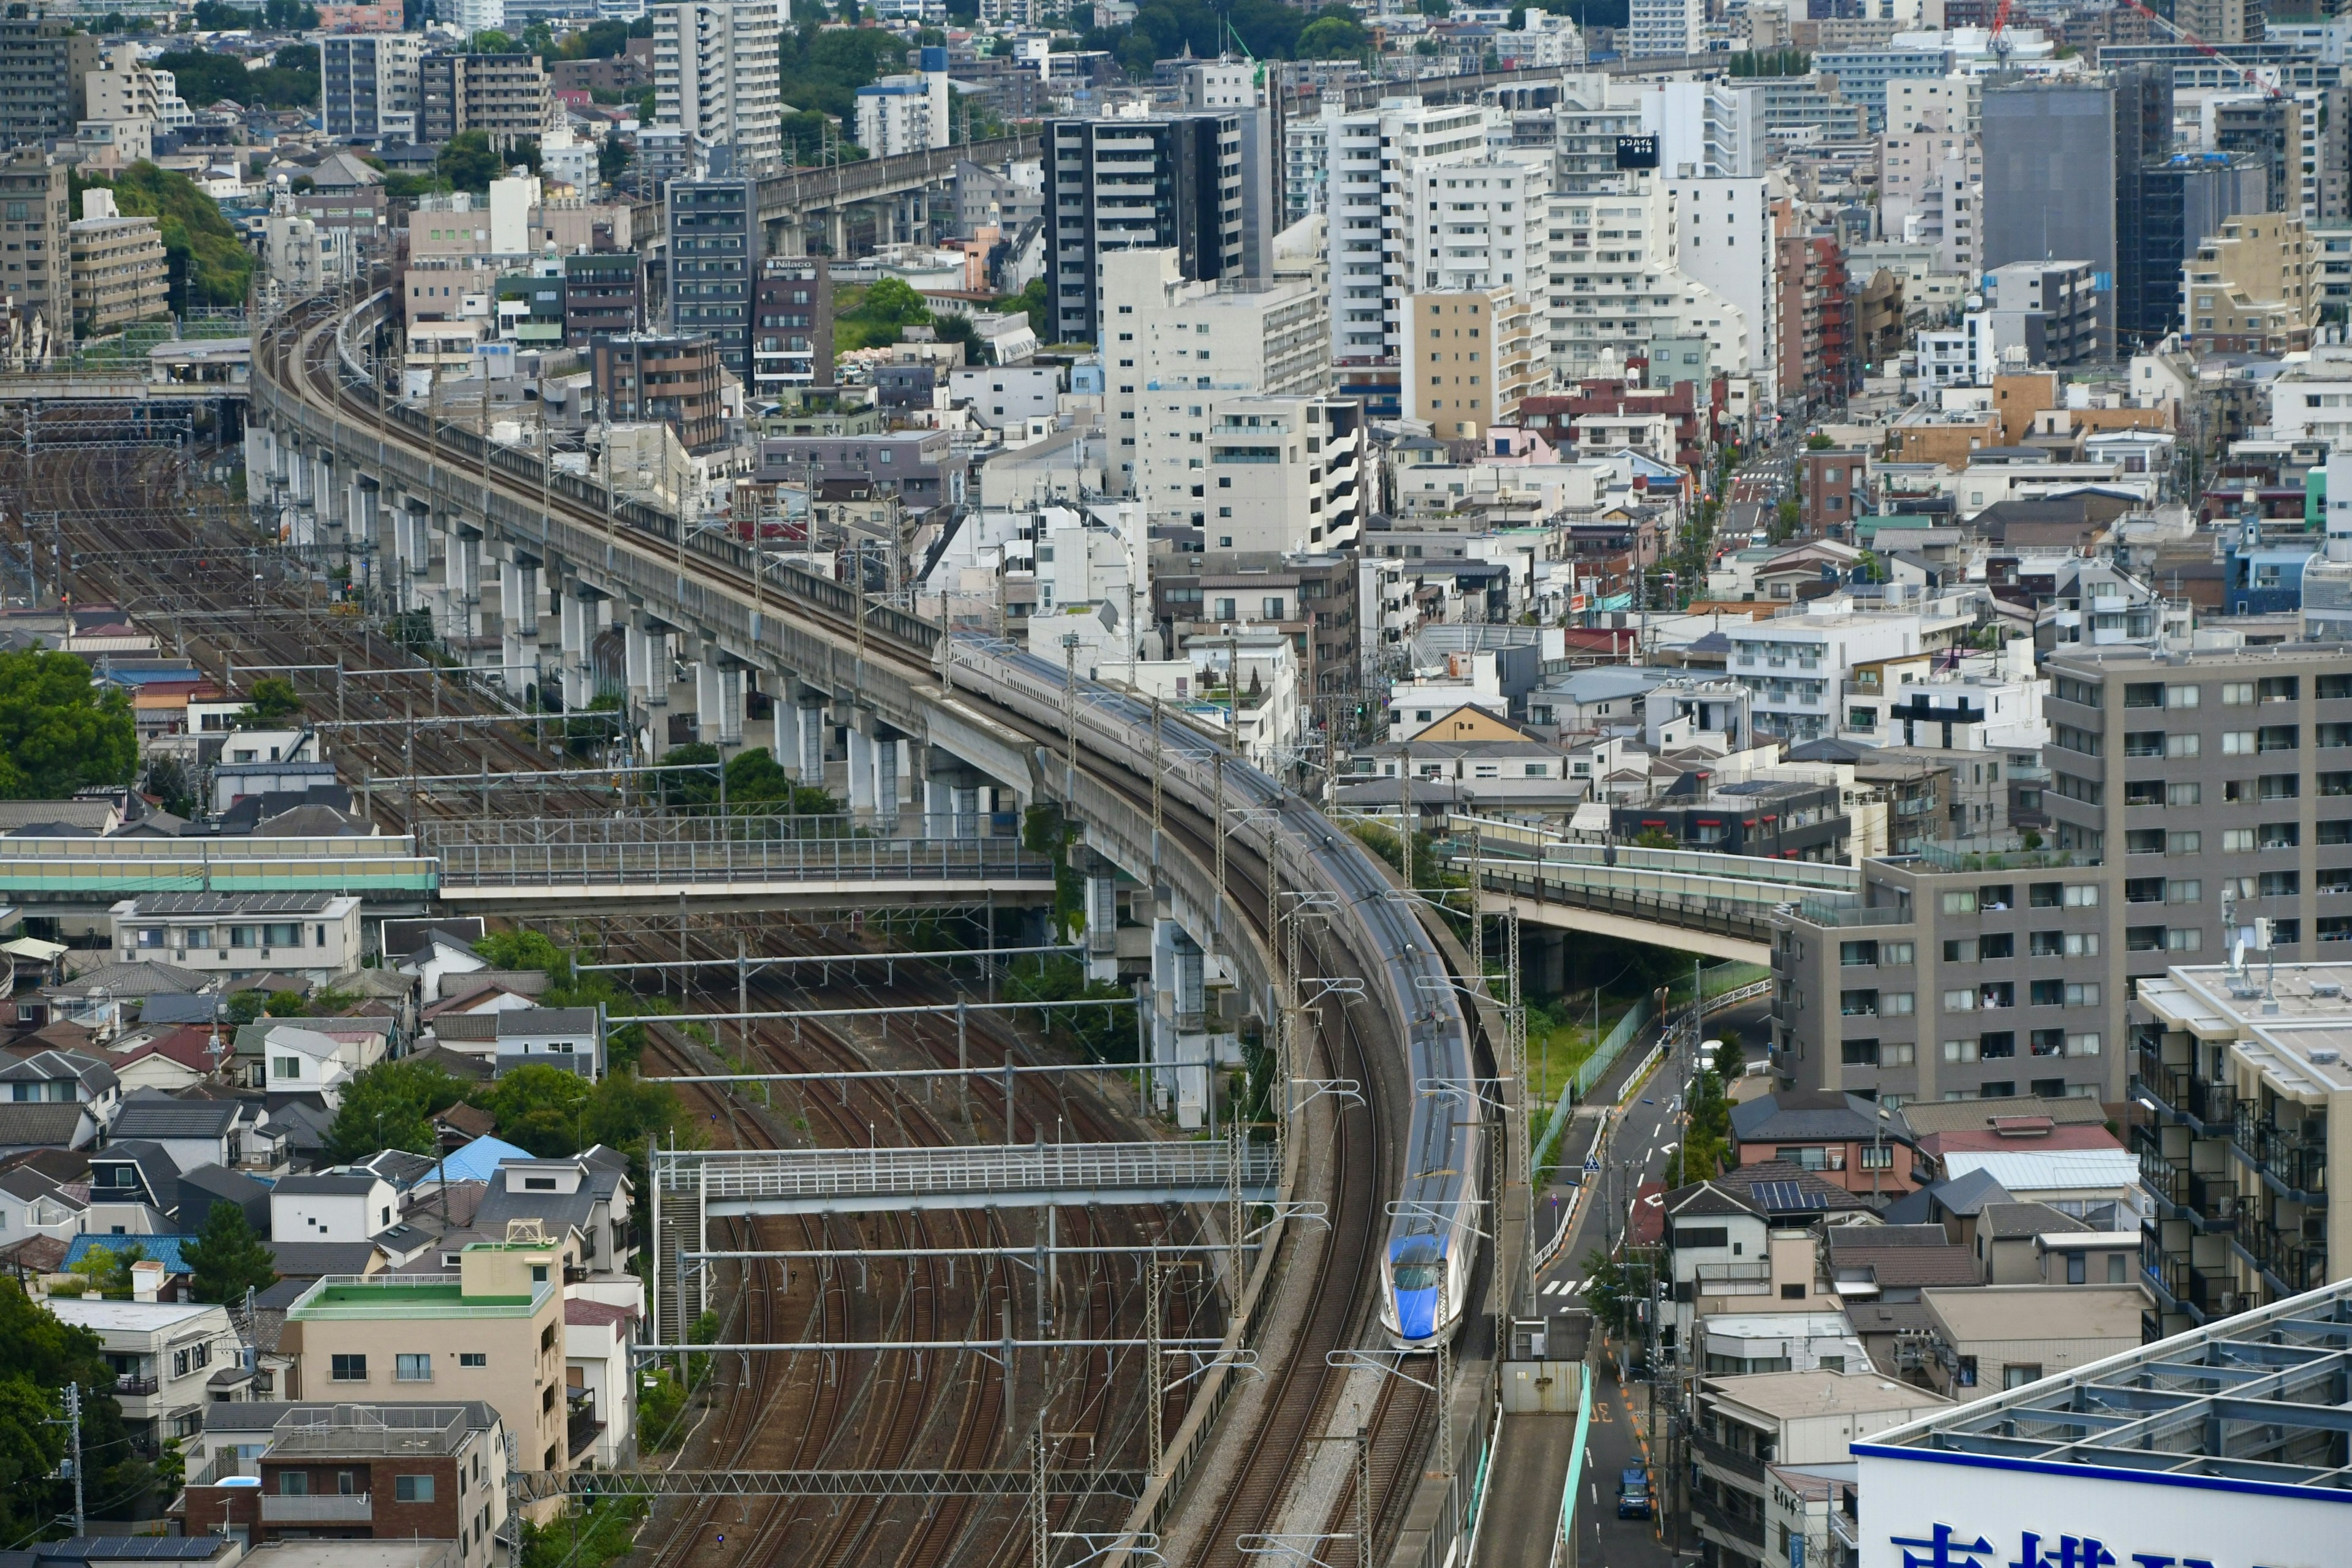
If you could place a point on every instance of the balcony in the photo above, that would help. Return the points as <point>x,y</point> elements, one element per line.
<point>1743,1535</point>
<point>1724,1457</point>
<point>2293,1159</point>
<point>132,1387</point>
<point>357,1507</point>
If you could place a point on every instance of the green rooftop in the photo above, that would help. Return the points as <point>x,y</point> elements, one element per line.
<point>348,1297</point>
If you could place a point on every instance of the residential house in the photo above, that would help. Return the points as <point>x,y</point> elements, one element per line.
<point>569,1037</point>
<point>33,1203</point>
<point>334,1206</point>
<point>207,1186</point>
<point>163,1355</point>
<point>585,1195</point>
<point>314,935</point>
<point>1741,1424</point>
<point>135,1189</point>
<point>1842,1138</point>
<point>300,1059</point>
<point>193,1132</point>
<point>1745,1244</point>
<point>600,1380</point>
<point>362,1472</point>
<point>63,1078</point>
<point>2006,1336</point>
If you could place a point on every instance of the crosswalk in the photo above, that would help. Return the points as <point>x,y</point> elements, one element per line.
<point>1562,1288</point>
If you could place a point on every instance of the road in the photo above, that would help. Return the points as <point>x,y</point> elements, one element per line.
<point>1644,1130</point>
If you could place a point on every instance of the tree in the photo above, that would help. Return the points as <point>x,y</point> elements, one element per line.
<point>285,1004</point>
<point>273,699</point>
<point>1034,300</point>
<point>229,1259</point>
<point>39,1356</point>
<point>245,1006</point>
<point>490,41</point>
<point>624,1111</point>
<point>467,161</point>
<point>1817,442</point>
<point>1656,839</point>
<point>391,1106</point>
<point>1606,1293</point>
<point>105,1271</point>
<point>521,950</point>
<point>168,782</point>
<point>57,732</point>
<point>1333,37</point>
<point>208,259</point>
<point>543,1109</point>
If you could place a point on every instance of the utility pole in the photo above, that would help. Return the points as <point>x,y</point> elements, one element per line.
<point>71,1421</point>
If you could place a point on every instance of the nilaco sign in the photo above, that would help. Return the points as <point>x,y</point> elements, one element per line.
<point>1921,1510</point>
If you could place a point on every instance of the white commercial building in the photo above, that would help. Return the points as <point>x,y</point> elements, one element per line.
<point>2218,1447</point>
<point>1707,130</point>
<point>1614,283</point>
<point>1797,666</point>
<point>1275,474</point>
<point>716,77</point>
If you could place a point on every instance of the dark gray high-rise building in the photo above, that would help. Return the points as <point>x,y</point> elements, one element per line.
<point>1126,184</point>
<point>2182,200</point>
<point>714,260</point>
<point>2049,175</point>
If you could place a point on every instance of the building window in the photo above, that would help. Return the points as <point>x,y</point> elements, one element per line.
<point>348,1369</point>
<point>412,1488</point>
<point>472,1358</point>
<point>407,1368</point>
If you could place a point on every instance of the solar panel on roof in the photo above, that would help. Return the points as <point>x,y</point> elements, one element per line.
<point>1782,1196</point>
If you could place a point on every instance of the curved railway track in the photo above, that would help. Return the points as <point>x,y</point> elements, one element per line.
<point>300,355</point>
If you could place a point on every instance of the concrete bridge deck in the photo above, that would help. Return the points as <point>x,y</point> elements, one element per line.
<point>727,1182</point>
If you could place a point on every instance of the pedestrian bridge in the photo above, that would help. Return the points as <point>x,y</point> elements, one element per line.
<point>86,874</point>
<point>512,865</point>
<point>1719,905</point>
<point>731,1182</point>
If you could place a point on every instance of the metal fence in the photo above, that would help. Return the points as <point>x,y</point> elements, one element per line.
<point>992,861</point>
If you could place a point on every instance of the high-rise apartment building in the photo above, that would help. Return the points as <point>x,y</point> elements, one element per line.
<point>1384,228</point>
<point>2049,174</point>
<point>36,270</point>
<point>1471,358</point>
<point>504,96</point>
<point>1172,345</point>
<point>714,259</point>
<point>1723,240</point>
<point>716,77</point>
<point>1707,130</point>
<point>42,91</point>
<point>368,87</point>
<point>1665,28</point>
<point>120,273</point>
<point>2171,778</point>
<point>1171,182</point>
<point>791,326</point>
<point>2254,287</point>
<point>603,295</point>
<point>907,113</point>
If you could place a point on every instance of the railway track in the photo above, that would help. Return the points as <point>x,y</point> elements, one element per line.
<point>300,354</point>
<point>889,1410</point>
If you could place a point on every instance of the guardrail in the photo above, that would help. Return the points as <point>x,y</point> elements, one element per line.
<point>466,865</point>
<point>957,1168</point>
<point>1577,1456</point>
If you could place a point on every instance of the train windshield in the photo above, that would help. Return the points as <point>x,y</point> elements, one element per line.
<point>1416,1268</point>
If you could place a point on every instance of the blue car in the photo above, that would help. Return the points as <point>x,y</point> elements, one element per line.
<point>1633,1494</point>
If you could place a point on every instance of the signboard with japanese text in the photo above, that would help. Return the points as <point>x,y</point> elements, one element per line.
<point>1971,1511</point>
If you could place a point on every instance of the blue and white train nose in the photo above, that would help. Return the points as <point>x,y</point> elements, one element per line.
<point>1416,1315</point>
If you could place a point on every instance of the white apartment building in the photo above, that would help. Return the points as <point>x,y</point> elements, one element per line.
<point>1723,231</point>
<point>124,90</point>
<point>2313,401</point>
<point>1172,345</point>
<point>1707,130</point>
<point>1910,98</point>
<point>1274,474</point>
<point>1380,206</point>
<point>1481,224</point>
<point>1613,284</point>
<point>1586,121</point>
<point>1964,355</point>
<point>717,76</point>
<point>907,113</point>
<point>1305,164</point>
<point>1665,27</point>
<point>1931,178</point>
<point>1797,666</point>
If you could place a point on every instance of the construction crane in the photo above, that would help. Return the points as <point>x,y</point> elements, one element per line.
<point>2265,82</point>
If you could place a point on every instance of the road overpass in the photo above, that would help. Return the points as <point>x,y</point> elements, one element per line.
<point>1692,901</point>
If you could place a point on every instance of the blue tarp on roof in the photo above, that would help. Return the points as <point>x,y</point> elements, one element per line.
<point>163,1249</point>
<point>477,1161</point>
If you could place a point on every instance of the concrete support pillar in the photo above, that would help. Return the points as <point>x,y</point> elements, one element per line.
<point>718,703</point>
<point>521,608</point>
<point>938,807</point>
<point>575,625</point>
<point>647,653</point>
<point>365,498</point>
<point>886,782</point>
<point>861,769</point>
<point>810,727</point>
<point>415,543</point>
<point>1102,920</point>
<point>965,813</point>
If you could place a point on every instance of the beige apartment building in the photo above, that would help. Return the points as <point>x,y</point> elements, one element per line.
<point>120,273</point>
<point>2252,287</point>
<point>34,212</point>
<point>1474,357</point>
<point>496,1334</point>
